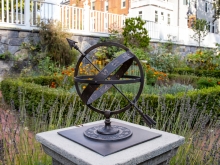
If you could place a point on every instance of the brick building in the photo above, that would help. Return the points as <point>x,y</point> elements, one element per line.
<point>112,6</point>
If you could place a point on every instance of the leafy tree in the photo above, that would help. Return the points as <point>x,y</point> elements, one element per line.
<point>135,34</point>
<point>200,29</point>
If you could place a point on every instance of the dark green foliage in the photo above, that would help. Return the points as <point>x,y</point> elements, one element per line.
<point>205,82</point>
<point>6,56</point>
<point>135,35</point>
<point>40,80</point>
<point>140,53</point>
<point>197,72</point>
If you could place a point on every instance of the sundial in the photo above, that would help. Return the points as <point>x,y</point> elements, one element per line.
<point>95,84</point>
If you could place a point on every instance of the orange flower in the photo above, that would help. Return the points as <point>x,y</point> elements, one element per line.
<point>218,82</point>
<point>53,85</point>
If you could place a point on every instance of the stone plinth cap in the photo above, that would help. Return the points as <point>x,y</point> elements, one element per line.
<point>134,155</point>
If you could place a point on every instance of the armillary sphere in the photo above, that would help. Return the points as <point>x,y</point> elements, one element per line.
<point>109,76</point>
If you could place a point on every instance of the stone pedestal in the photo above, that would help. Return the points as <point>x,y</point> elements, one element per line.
<point>66,152</point>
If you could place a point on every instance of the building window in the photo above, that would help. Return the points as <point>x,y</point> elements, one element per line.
<point>123,3</point>
<point>168,19</point>
<point>209,25</point>
<point>213,28</point>
<point>140,14</point>
<point>206,7</point>
<point>93,5</point>
<point>185,2</point>
<point>156,16</point>
<point>162,16</point>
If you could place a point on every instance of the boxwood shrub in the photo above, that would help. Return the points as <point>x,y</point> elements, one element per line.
<point>31,90</point>
<point>198,72</point>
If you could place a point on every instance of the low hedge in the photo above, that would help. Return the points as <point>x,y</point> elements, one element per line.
<point>196,72</point>
<point>42,80</point>
<point>12,89</point>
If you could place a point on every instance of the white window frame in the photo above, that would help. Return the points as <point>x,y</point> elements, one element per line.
<point>140,14</point>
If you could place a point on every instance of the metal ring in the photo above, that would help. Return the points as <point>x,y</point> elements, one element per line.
<point>141,80</point>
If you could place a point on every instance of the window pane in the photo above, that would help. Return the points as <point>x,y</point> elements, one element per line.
<point>156,16</point>
<point>206,7</point>
<point>168,19</point>
<point>124,3</point>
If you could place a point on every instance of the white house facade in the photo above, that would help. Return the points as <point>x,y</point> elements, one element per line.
<point>153,10</point>
<point>173,12</point>
<point>172,19</point>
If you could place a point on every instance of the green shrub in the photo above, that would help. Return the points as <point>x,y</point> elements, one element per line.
<point>197,72</point>
<point>205,82</point>
<point>206,60</point>
<point>35,92</point>
<point>135,34</point>
<point>165,62</point>
<point>53,41</point>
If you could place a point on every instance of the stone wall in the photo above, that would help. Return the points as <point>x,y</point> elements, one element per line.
<point>10,41</point>
<point>182,49</point>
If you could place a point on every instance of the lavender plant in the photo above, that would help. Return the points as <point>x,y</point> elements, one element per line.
<point>201,129</point>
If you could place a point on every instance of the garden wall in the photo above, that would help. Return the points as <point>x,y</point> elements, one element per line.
<point>11,40</point>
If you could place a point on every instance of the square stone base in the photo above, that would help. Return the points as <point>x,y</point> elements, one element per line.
<point>66,152</point>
